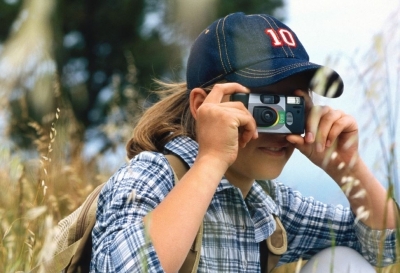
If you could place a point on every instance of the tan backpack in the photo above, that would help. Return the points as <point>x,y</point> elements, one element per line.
<point>74,242</point>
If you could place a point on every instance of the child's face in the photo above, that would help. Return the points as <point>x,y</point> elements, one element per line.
<point>265,157</point>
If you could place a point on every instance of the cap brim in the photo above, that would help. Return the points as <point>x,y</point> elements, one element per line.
<point>323,80</point>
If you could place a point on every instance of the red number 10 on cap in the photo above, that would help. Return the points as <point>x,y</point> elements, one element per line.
<point>281,37</point>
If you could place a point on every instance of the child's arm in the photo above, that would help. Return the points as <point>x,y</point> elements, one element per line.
<point>331,142</point>
<point>177,218</point>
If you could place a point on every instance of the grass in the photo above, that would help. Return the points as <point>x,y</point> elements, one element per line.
<point>40,186</point>
<point>36,193</point>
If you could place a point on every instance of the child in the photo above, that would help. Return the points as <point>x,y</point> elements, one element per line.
<point>141,213</point>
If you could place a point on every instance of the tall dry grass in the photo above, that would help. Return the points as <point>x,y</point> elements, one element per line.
<point>376,74</point>
<point>40,186</point>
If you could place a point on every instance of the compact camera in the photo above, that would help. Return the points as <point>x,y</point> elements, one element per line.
<point>275,113</point>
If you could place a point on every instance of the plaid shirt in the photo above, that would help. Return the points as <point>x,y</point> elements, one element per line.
<point>233,226</point>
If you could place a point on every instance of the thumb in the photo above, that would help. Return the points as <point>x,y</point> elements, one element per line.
<point>296,140</point>
<point>299,143</point>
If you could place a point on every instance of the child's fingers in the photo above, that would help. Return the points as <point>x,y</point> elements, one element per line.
<point>248,132</point>
<point>221,90</point>
<point>313,121</point>
<point>344,125</point>
<point>325,137</point>
<point>244,121</point>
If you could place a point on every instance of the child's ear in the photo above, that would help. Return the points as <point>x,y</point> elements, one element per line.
<point>196,99</point>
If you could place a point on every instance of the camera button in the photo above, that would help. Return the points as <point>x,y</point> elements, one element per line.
<point>289,118</point>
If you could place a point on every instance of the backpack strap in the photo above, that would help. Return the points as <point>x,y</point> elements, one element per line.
<point>84,226</point>
<point>57,263</point>
<point>273,247</point>
<point>179,168</point>
<point>191,262</point>
<point>277,242</point>
<point>69,258</point>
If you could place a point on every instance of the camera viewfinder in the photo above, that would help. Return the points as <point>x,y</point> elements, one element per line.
<point>270,99</point>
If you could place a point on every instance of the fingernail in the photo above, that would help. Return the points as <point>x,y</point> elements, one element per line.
<point>309,137</point>
<point>291,142</point>
<point>320,148</point>
<point>328,143</point>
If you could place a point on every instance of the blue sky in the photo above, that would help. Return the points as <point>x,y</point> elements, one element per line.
<point>329,28</point>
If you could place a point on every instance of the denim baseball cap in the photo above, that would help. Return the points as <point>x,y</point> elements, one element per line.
<point>254,50</point>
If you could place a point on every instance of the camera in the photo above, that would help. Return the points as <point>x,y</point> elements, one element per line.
<point>277,114</point>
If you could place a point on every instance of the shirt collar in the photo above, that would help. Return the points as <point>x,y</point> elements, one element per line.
<point>262,208</point>
<point>258,201</point>
<point>184,147</point>
<point>259,196</point>
<point>187,149</point>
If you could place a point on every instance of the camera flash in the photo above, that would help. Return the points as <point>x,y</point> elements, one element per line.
<point>293,100</point>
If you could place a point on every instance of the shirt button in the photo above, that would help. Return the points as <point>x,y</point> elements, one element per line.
<point>244,264</point>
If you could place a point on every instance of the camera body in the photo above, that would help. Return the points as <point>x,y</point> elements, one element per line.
<point>277,114</point>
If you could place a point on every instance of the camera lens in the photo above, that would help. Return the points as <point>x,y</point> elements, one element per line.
<point>269,116</point>
<point>265,116</point>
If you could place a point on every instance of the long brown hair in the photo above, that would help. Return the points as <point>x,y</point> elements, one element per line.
<point>168,118</point>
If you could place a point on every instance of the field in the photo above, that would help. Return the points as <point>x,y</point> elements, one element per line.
<point>40,188</point>
<point>47,167</point>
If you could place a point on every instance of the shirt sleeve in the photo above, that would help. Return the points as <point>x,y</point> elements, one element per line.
<point>120,241</point>
<point>378,246</point>
<point>312,226</point>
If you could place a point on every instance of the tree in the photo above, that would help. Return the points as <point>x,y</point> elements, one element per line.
<point>96,42</point>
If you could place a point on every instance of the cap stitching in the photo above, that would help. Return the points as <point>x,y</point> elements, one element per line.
<point>283,45</point>
<point>276,26</point>
<point>219,46</point>
<point>226,51</point>
<point>295,65</point>
<point>285,68</point>
<point>269,74</point>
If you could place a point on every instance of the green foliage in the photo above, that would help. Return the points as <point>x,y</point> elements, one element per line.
<point>98,44</point>
<point>225,7</point>
<point>8,13</point>
<point>89,44</point>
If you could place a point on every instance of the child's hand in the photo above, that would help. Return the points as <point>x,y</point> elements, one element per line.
<point>221,126</point>
<point>331,139</point>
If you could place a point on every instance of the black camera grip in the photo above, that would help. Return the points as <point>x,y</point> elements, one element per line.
<point>243,97</point>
